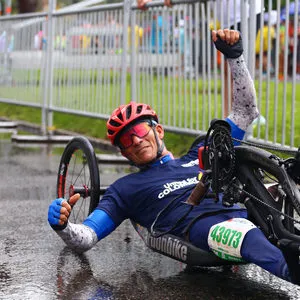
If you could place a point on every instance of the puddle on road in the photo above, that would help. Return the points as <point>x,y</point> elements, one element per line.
<point>35,264</point>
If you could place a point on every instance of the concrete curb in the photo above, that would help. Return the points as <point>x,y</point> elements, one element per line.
<point>112,159</point>
<point>57,139</point>
<point>8,125</point>
<point>59,136</point>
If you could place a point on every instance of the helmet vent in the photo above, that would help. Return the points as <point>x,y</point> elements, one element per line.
<point>120,117</point>
<point>139,109</point>
<point>128,112</point>
<point>114,123</point>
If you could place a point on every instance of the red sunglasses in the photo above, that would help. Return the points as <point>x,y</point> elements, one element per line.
<point>140,130</point>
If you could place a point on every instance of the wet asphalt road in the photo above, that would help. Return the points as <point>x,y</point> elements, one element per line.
<point>35,264</point>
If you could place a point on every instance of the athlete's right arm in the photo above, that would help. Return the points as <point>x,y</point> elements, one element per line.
<point>80,237</point>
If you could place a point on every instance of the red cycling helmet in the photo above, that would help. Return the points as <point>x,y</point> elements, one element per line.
<point>126,114</point>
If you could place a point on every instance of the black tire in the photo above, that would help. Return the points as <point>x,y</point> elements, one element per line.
<point>78,173</point>
<point>199,139</point>
<point>278,196</point>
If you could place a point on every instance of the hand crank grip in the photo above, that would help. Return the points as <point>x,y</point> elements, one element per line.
<point>200,190</point>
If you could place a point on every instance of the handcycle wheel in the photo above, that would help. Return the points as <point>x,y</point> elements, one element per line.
<point>273,198</point>
<point>78,173</point>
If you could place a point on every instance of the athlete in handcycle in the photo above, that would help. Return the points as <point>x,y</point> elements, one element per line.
<point>181,221</point>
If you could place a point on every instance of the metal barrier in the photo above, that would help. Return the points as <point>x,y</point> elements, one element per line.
<point>87,61</point>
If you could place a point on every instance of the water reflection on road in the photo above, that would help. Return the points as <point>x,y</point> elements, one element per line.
<point>35,264</point>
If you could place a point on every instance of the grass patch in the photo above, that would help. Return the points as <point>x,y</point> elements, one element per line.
<point>178,144</point>
<point>179,103</point>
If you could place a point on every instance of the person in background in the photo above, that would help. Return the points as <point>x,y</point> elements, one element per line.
<point>267,31</point>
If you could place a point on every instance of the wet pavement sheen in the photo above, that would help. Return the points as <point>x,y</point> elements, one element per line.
<point>35,264</point>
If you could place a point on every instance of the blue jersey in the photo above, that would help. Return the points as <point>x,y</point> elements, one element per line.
<point>158,195</point>
<point>143,195</point>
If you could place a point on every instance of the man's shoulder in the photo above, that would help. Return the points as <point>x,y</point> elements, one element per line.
<point>127,177</point>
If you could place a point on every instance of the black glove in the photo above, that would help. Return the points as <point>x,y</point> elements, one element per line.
<point>230,51</point>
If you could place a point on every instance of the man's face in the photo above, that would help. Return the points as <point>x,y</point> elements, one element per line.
<point>141,146</point>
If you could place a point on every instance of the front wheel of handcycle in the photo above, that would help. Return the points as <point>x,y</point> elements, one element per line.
<point>78,173</point>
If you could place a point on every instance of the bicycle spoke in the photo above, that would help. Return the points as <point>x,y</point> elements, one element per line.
<point>77,210</point>
<point>78,173</point>
<point>74,163</point>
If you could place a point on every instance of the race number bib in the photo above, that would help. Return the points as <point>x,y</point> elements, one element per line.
<point>225,239</point>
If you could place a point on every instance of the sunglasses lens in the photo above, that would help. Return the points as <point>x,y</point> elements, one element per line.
<point>125,141</point>
<point>140,130</point>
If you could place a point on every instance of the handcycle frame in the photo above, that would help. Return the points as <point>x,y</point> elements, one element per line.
<point>274,215</point>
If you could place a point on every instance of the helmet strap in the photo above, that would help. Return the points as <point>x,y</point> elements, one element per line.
<point>160,147</point>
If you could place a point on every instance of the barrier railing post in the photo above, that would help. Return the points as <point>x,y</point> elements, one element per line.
<point>126,11</point>
<point>133,58</point>
<point>51,37</point>
<point>47,115</point>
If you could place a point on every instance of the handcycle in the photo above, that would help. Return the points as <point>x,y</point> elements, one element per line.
<point>265,184</point>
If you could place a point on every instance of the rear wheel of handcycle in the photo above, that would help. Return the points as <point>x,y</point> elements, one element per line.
<point>78,173</point>
<point>275,198</point>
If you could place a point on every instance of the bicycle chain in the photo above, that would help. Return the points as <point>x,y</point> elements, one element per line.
<point>266,147</point>
<point>265,204</point>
